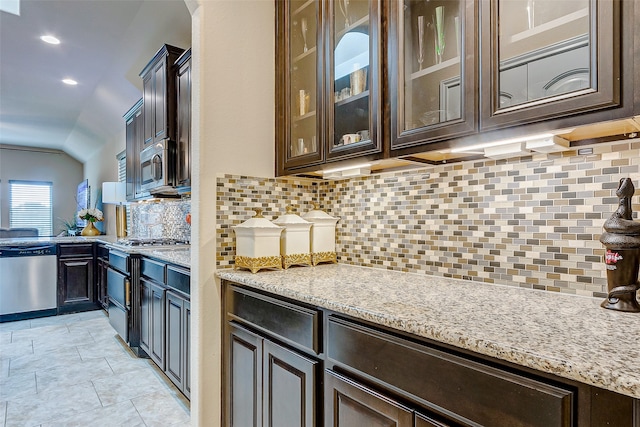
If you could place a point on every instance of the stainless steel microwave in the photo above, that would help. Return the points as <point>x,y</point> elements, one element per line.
<point>157,169</point>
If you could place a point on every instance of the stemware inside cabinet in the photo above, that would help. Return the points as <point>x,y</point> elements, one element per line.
<point>299,82</point>
<point>432,81</point>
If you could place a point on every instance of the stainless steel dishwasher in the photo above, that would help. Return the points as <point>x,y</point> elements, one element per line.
<point>28,281</point>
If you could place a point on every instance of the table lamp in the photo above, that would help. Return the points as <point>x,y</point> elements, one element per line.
<point>115,193</point>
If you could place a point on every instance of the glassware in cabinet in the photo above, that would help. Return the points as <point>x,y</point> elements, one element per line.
<point>432,76</point>
<point>354,78</point>
<point>300,80</point>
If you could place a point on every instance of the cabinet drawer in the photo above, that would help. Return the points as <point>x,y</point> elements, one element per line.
<point>119,261</point>
<point>477,394</point>
<point>179,279</point>
<point>75,250</point>
<point>153,269</point>
<point>291,323</point>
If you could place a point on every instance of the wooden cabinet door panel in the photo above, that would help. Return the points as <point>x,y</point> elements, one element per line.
<point>349,404</point>
<point>157,325</point>
<point>174,345</point>
<point>145,316</point>
<point>186,347</point>
<point>289,388</point>
<point>160,102</point>
<point>244,379</point>
<point>76,281</point>
<point>148,110</point>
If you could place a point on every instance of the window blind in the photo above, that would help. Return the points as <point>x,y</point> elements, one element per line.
<point>30,206</point>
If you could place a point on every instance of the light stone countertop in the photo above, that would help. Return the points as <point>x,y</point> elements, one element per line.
<point>180,255</point>
<point>566,335</point>
<point>66,239</point>
<point>175,254</point>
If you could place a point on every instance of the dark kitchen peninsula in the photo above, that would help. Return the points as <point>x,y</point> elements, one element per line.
<point>425,350</point>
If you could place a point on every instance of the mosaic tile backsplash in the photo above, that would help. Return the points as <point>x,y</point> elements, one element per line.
<point>164,219</point>
<point>532,222</point>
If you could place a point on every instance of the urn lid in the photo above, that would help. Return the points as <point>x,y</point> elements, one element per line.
<point>317,215</point>
<point>257,222</point>
<point>291,219</point>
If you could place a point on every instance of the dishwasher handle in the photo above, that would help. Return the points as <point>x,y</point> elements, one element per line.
<point>27,250</point>
<point>127,294</point>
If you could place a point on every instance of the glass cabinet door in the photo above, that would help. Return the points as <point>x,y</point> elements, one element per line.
<point>303,53</point>
<point>353,77</point>
<point>431,83</point>
<point>548,58</point>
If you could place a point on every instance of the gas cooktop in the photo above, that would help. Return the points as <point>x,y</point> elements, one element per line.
<point>139,241</point>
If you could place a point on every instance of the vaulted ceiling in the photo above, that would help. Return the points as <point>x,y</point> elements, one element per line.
<point>104,44</point>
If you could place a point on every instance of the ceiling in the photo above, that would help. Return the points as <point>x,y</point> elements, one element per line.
<point>104,44</point>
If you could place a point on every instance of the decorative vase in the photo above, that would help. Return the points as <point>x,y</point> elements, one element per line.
<point>90,230</point>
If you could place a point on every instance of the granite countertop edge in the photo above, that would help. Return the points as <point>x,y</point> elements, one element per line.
<point>179,255</point>
<point>566,335</point>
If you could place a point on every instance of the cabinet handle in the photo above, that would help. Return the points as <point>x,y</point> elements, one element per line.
<point>127,293</point>
<point>156,167</point>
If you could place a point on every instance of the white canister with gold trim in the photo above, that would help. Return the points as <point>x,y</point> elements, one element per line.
<point>323,235</point>
<point>257,244</point>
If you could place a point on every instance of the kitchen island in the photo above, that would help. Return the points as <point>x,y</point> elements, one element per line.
<point>559,335</point>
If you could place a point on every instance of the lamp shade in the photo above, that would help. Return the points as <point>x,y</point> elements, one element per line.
<point>114,192</point>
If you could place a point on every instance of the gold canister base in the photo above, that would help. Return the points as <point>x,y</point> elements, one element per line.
<point>318,257</point>
<point>256,264</point>
<point>295,259</point>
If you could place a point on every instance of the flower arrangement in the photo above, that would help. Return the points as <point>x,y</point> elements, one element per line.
<point>91,215</point>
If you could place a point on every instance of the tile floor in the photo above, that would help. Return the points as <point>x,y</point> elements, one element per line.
<point>72,370</point>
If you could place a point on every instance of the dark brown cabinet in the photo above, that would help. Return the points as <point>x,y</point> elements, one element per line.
<point>152,327</point>
<point>178,318</point>
<point>76,277</point>
<point>152,309</point>
<point>183,125</point>
<point>274,347</point>
<point>433,79</point>
<point>165,319</point>
<point>349,404</point>
<point>134,122</point>
<point>159,89</point>
<point>269,385</point>
<point>329,87</point>
<point>437,76</point>
<point>554,59</point>
<point>268,382</point>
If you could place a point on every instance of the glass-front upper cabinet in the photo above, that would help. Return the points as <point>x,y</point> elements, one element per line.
<point>548,58</point>
<point>432,77</point>
<point>353,76</point>
<point>300,101</point>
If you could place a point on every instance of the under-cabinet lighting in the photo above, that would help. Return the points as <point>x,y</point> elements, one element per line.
<point>352,171</point>
<point>50,39</point>
<point>69,82</point>
<point>482,146</point>
<point>506,151</point>
<point>553,144</point>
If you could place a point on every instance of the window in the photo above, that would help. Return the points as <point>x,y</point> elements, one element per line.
<point>30,206</point>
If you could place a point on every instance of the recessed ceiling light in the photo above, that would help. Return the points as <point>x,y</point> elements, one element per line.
<point>69,82</point>
<point>50,39</point>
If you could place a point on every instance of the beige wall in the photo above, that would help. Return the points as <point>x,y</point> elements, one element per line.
<point>103,167</point>
<point>233,132</point>
<point>20,163</point>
